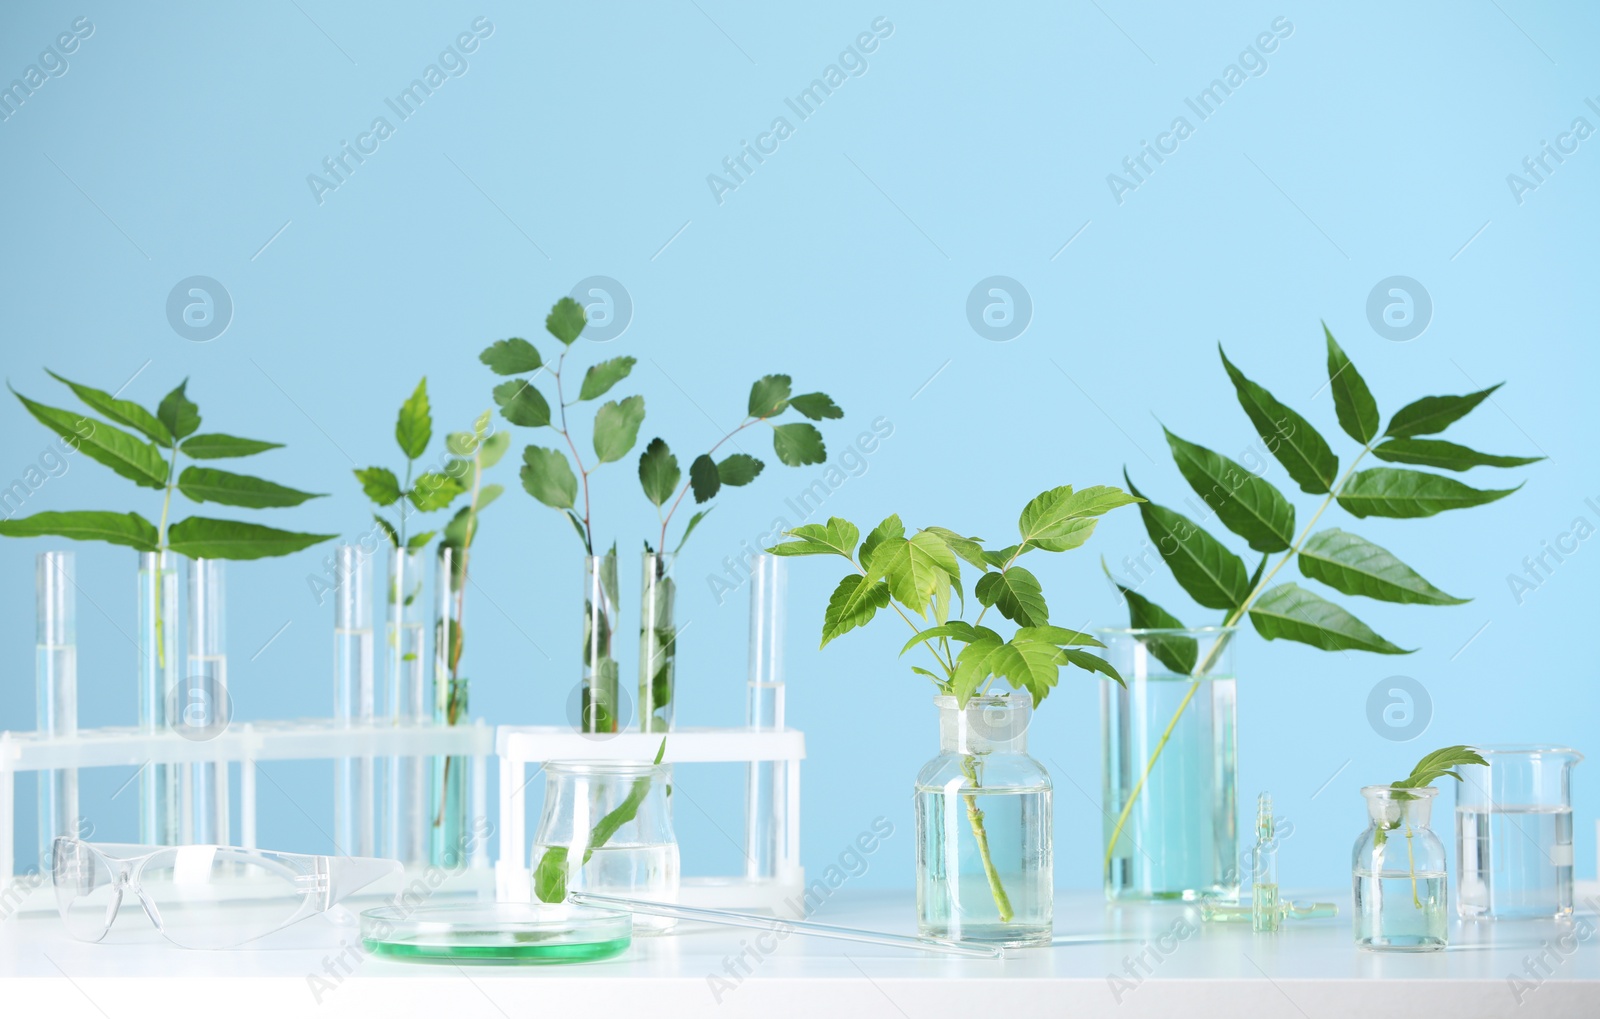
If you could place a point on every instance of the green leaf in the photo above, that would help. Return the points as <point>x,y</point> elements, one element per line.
<point>1352,400</point>
<point>550,875</point>
<point>1061,519</point>
<point>577,525</point>
<point>86,525</point>
<point>914,568</point>
<point>704,477</point>
<point>854,603</point>
<point>1288,436</point>
<point>566,320</point>
<point>1247,505</point>
<point>966,633</point>
<point>1058,635</point>
<point>413,428</point>
<point>919,670</point>
<point>1438,764</point>
<point>1354,565</point>
<point>417,541</point>
<point>1293,613</point>
<point>206,484</point>
<point>1445,455</point>
<point>1031,665</point>
<point>889,529</point>
<point>379,484</point>
<point>522,404</point>
<point>1017,594</point>
<point>974,664</point>
<point>433,491</point>
<point>601,377</point>
<point>548,477</point>
<point>836,537</point>
<point>998,558</point>
<point>492,448</point>
<point>205,538</point>
<point>798,444</point>
<point>1392,492</point>
<point>1092,663</point>
<point>1433,414</point>
<point>970,549</point>
<point>616,427</point>
<point>388,529</point>
<point>739,469</point>
<point>178,413</point>
<point>816,406</point>
<point>769,395</point>
<point>216,446</point>
<point>658,472</point>
<point>123,412</point>
<point>133,458</point>
<point>511,357</point>
<point>689,528</point>
<point>1174,650</point>
<point>1202,565</point>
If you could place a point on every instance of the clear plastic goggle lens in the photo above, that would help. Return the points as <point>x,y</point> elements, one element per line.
<point>87,892</point>
<point>218,897</point>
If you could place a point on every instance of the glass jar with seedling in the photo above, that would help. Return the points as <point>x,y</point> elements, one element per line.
<point>1171,826</point>
<point>1398,865</point>
<point>983,806</point>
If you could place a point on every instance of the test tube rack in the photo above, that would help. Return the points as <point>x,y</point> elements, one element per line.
<point>241,746</point>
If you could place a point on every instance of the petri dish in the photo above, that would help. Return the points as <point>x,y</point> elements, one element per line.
<point>514,932</point>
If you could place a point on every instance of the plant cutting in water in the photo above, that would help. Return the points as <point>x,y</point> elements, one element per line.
<point>923,571</point>
<point>470,454</point>
<point>547,473</point>
<point>1429,770</point>
<point>1255,510</point>
<point>550,874</point>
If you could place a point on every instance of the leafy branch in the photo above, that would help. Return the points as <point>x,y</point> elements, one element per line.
<point>1255,510</point>
<point>921,573</point>
<point>169,434</point>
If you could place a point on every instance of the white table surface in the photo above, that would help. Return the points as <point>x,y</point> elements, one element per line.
<point>1310,971</point>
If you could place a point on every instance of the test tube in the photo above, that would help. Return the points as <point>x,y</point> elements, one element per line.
<point>406,820</point>
<point>765,793</point>
<point>158,680</point>
<point>56,670</point>
<point>203,708</point>
<point>354,702</point>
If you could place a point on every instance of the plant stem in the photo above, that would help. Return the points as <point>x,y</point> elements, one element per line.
<point>746,423</point>
<point>583,472</point>
<point>161,558</point>
<point>1216,650</point>
<point>1002,902</point>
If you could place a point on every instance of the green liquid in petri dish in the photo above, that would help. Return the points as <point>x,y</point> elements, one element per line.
<point>468,949</point>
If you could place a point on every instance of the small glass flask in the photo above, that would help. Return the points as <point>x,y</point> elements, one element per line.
<point>983,828</point>
<point>1398,872</point>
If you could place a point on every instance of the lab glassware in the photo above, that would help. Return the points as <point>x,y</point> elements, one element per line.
<point>1514,834</point>
<point>355,798</point>
<point>159,669</point>
<point>56,675</point>
<point>407,703</point>
<point>658,642</point>
<point>1398,873</point>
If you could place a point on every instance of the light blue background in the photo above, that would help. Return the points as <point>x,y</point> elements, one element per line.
<point>1377,143</point>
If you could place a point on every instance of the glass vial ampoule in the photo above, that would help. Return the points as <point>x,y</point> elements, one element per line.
<point>202,708</point>
<point>159,671</point>
<point>1264,914</point>
<point>56,671</point>
<point>406,692</point>
<point>354,701</point>
<point>767,850</point>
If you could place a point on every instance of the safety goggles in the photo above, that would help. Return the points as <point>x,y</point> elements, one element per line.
<point>201,896</point>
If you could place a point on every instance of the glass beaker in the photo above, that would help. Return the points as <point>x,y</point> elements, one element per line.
<point>607,828</point>
<point>1169,740</point>
<point>1397,870</point>
<point>983,828</point>
<point>1514,834</point>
